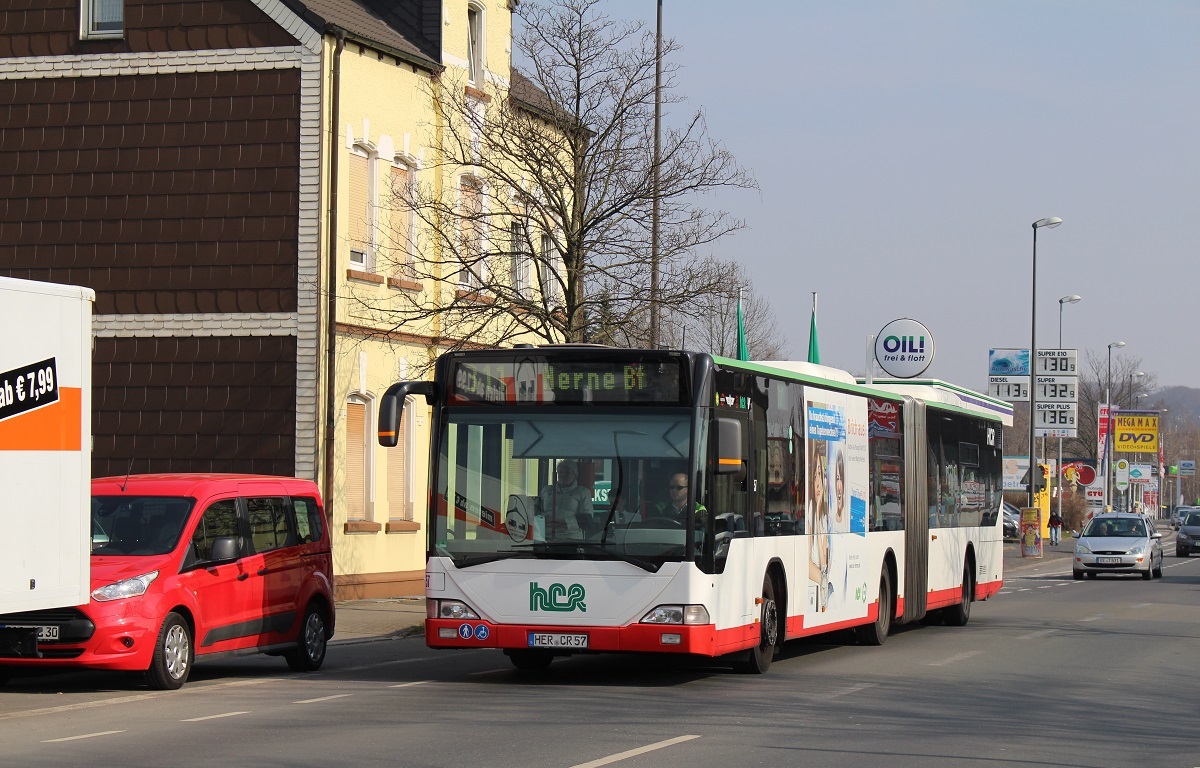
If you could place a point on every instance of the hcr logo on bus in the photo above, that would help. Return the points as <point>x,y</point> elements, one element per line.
<point>557,598</point>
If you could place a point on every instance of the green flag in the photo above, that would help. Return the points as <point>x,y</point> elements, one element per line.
<point>814,349</point>
<point>743,350</point>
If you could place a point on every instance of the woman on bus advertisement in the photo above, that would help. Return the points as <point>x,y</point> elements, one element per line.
<point>838,446</point>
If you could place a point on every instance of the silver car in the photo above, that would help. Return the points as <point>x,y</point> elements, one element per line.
<point>1187,540</point>
<point>1119,543</point>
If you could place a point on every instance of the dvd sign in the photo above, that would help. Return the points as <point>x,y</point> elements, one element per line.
<point>904,348</point>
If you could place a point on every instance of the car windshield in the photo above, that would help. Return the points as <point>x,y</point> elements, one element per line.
<point>138,525</point>
<point>1115,528</point>
<point>592,484</point>
<point>1191,518</point>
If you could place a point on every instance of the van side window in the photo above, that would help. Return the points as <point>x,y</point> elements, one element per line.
<point>268,522</point>
<point>220,519</point>
<point>308,520</point>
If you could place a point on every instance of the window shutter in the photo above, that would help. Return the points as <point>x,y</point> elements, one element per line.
<point>356,469</point>
<point>402,249</point>
<point>397,474</point>
<point>359,215</point>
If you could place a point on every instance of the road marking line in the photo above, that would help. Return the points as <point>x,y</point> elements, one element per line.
<point>1095,618</point>
<point>850,690</point>
<point>1039,633</point>
<point>323,698</point>
<point>213,717</point>
<point>406,685</point>
<point>953,659</point>
<point>635,752</point>
<point>84,736</point>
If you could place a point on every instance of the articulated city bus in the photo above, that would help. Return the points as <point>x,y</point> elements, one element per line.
<point>592,499</point>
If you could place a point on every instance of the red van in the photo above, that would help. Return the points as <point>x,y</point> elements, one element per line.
<point>191,565</point>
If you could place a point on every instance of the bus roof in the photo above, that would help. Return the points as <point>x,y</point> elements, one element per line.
<point>933,392</point>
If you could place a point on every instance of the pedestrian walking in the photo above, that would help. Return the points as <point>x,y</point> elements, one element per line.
<point>1055,528</point>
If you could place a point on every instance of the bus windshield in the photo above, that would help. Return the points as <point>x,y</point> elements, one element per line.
<point>583,483</point>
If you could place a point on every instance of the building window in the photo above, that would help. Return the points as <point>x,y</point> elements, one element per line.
<point>362,210</point>
<point>519,250</point>
<point>101,19</point>
<point>471,248</point>
<point>548,271</point>
<point>358,460</point>
<point>475,44</point>
<point>402,234</point>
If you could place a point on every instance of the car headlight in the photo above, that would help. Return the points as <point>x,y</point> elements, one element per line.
<point>1183,536</point>
<point>1082,550</point>
<point>1139,549</point>
<point>134,587</point>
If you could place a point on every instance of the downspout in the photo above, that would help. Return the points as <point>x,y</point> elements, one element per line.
<point>332,279</point>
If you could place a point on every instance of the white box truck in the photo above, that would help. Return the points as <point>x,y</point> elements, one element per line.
<point>45,451</point>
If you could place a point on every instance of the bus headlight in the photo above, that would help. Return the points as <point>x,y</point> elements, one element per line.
<point>677,614</point>
<point>449,609</point>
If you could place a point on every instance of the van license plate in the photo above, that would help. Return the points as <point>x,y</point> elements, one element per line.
<point>43,633</point>
<point>557,640</point>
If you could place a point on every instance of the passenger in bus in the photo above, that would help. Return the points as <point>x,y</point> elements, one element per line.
<point>565,504</point>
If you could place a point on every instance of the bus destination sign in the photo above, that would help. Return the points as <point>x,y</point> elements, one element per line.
<point>566,382</point>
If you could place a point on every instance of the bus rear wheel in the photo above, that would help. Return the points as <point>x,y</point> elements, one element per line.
<point>758,659</point>
<point>959,615</point>
<point>876,633</point>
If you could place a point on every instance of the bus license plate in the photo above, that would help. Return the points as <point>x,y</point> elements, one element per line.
<point>557,640</point>
<point>43,633</point>
<point>1109,560</point>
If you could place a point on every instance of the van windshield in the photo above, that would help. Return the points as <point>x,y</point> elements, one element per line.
<point>138,525</point>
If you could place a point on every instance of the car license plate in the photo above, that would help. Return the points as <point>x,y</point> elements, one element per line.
<point>43,633</point>
<point>1108,560</point>
<point>557,640</point>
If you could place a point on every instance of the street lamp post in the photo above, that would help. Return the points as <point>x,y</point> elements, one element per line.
<point>1107,464</point>
<point>1133,396</point>
<point>1049,222</point>
<point>1072,299</point>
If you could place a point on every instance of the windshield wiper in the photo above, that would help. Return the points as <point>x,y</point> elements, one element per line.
<point>491,557</point>
<point>586,548</point>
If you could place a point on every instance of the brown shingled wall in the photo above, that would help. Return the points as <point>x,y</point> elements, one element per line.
<point>212,404</point>
<point>51,27</point>
<point>165,194</point>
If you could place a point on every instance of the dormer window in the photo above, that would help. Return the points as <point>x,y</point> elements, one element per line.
<point>475,45</point>
<point>101,19</point>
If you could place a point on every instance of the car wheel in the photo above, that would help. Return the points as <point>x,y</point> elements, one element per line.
<point>758,659</point>
<point>309,653</point>
<point>1148,573</point>
<point>530,661</point>
<point>1157,571</point>
<point>173,655</point>
<point>959,615</point>
<point>1078,575</point>
<point>876,632</point>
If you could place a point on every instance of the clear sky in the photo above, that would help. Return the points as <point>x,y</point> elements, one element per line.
<point>904,150</point>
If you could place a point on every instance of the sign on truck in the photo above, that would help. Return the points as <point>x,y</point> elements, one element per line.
<point>45,447</point>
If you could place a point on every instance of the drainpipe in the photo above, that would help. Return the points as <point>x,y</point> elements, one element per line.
<point>332,279</point>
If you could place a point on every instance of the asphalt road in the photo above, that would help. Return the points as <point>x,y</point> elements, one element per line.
<point>1051,672</point>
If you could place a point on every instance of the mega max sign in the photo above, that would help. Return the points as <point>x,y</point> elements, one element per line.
<point>1135,432</point>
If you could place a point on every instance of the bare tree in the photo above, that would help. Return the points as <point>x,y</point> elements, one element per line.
<point>534,213</point>
<point>710,322</point>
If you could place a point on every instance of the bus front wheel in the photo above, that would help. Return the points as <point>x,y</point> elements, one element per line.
<point>758,659</point>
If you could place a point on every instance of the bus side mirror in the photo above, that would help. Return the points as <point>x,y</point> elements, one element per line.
<point>391,404</point>
<point>730,458</point>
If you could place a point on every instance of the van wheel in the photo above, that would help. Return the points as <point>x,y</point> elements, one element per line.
<point>309,653</point>
<point>959,615</point>
<point>530,661</point>
<point>758,659</point>
<point>876,633</point>
<point>173,655</point>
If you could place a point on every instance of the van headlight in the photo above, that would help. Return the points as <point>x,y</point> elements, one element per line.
<point>134,587</point>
